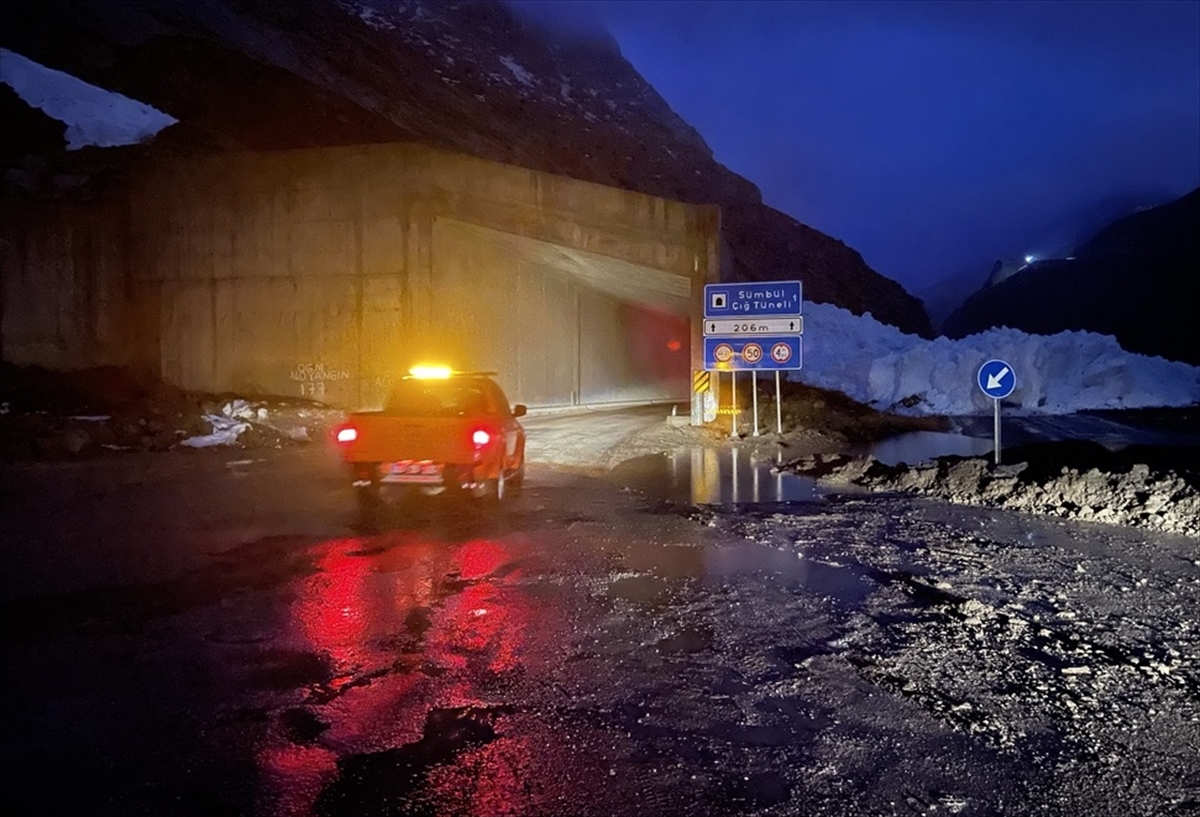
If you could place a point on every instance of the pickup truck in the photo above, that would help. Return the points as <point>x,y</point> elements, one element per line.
<point>439,432</point>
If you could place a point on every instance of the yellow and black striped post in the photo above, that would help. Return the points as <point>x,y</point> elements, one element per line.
<point>704,396</point>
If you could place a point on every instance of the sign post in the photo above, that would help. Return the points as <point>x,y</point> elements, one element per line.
<point>997,380</point>
<point>754,327</point>
<point>778,406</point>
<point>754,381</point>
<point>733,396</point>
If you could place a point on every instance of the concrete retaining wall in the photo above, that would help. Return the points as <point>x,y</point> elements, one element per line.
<point>67,298</point>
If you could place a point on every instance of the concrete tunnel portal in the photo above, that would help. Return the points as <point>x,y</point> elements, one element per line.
<point>326,273</point>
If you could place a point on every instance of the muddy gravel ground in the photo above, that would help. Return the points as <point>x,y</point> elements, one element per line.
<point>219,632</point>
<point>1067,649</point>
<point>1152,487</point>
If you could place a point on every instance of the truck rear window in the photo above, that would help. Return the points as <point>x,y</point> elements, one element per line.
<point>437,398</point>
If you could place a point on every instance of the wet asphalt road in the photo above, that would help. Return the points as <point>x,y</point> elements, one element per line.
<point>210,633</point>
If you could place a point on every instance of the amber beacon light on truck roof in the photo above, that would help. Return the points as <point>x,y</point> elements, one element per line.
<point>438,372</point>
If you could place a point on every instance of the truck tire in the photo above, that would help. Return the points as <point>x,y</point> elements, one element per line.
<point>368,497</point>
<point>516,482</point>
<point>496,490</point>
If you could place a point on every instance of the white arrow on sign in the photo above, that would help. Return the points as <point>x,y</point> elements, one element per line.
<point>994,379</point>
<point>755,326</point>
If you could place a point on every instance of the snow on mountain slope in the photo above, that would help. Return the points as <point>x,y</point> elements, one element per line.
<point>93,116</point>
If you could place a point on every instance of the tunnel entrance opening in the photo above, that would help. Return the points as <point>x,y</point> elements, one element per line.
<point>561,326</point>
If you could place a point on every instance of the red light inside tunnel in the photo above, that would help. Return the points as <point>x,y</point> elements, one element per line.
<point>480,437</point>
<point>348,434</point>
<point>674,345</point>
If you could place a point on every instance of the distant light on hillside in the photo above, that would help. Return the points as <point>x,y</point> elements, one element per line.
<point>1029,259</point>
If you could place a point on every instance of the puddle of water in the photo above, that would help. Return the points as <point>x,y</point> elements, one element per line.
<point>707,476</point>
<point>687,640</point>
<point>921,446</point>
<point>375,782</point>
<point>639,589</point>
<point>848,584</point>
<point>731,476</point>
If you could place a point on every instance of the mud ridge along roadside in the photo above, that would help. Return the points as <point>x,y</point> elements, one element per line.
<point>1073,480</point>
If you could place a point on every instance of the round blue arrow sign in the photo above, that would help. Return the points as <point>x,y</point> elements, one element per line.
<point>997,379</point>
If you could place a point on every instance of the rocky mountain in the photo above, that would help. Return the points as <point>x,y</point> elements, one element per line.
<point>465,76</point>
<point>1061,236</point>
<point>1058,238</point>
<point>27,130</point>
<point>1131,281</point>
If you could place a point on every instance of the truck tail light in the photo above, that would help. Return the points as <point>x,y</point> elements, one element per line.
<point>347,434</point>
<point>480,437</point>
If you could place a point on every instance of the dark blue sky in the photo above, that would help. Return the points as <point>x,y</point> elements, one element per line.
<point>933,137</point>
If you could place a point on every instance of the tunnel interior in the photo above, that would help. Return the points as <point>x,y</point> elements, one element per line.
<point>560,326</point>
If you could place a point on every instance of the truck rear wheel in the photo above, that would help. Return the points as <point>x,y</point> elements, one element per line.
<point>496,490</point>
<point>516,482</point>
<point>368,497</point>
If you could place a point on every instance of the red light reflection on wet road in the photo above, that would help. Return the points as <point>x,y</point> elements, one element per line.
<point>406,624</point>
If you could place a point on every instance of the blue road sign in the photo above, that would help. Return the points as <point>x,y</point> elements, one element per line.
<point>997,379</point>
<point>769,299</point>
<point>769,353</point>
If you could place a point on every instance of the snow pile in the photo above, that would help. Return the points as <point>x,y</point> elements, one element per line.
<point>93,116</point>
<point>1056,374</point>
<point>238,417</point>
<point>227,426</point>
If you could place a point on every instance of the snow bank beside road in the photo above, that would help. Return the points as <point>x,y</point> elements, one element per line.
<point>238,417</point>
<point>1056,374</point>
